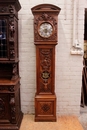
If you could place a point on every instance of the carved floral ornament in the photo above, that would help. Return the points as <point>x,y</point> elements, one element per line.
<point>45,107</point>
<point>45,72</point>
<point>13,109</point>
<point>7,9</point>
<point>2,108</point>
<point>7,88</point>
<point>11,28</point>
<point>11,36</point>
<point>45,55</point>
<point>45,87</point>
<point>41,19</point>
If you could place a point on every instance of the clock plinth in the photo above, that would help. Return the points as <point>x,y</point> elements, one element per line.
<point>45,39</point>
<point>45,108</point>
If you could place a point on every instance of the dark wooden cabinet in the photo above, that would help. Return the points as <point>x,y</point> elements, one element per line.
<point>10,106</point>
<point>45,39</point>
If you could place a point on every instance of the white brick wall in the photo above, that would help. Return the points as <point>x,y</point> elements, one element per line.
<point>68,67</point>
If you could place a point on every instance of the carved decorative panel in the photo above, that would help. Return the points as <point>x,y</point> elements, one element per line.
<point>45,107</point>
<point>45,68</point>
<point>13,108</point>
<point>9,103</point>
<point>15,71</point>
<point>49,19</point>
<point>45,87</point>
<point>45,56</point>
<point>7,9</point>
<point>11,29</point>
<point>2,108</point>
<point>7,88</point>
<point>13,50</point>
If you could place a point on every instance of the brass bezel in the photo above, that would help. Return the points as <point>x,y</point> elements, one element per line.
<point>43,23</point>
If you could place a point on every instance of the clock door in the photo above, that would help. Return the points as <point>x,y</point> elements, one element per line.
<point>45,72</point>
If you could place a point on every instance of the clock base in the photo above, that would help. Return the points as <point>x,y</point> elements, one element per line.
<point>45,108</point>
<point>45,119</point>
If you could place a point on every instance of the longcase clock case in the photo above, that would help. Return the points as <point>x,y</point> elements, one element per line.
<point>10,107</point>
<point>45,39</point>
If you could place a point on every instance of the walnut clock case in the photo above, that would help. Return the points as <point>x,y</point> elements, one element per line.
<point>10,107</point>
<point>45,39</point>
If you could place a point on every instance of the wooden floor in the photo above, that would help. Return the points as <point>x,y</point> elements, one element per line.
<point>63,123</point>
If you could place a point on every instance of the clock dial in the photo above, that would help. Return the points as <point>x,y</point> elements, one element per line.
<point>45,30</point>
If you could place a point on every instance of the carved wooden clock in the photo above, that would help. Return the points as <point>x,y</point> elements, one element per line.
<point>45,39</point>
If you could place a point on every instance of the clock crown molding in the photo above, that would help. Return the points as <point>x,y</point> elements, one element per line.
<point>45,8</point>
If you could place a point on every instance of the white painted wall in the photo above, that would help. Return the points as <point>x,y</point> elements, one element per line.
<point>68,67</point>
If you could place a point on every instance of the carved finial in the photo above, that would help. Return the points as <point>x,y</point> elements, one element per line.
<point>12,29</point>
<point>11,9</point>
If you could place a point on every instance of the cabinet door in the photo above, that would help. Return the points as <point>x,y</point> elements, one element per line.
<point>4,108</point>
<point>4,39</point>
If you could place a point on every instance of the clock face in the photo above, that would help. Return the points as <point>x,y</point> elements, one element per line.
<point>45,30</point>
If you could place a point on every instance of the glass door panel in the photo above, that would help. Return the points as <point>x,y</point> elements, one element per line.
<point>3,39</point>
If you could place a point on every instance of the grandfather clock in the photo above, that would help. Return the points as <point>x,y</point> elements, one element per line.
<point>45,39</point>
<point>10,108</point>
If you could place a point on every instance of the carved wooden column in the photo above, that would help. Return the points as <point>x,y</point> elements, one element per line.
<point>45,39</point>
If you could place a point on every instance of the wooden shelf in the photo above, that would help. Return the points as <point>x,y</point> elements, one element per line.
<point>8,81</point>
